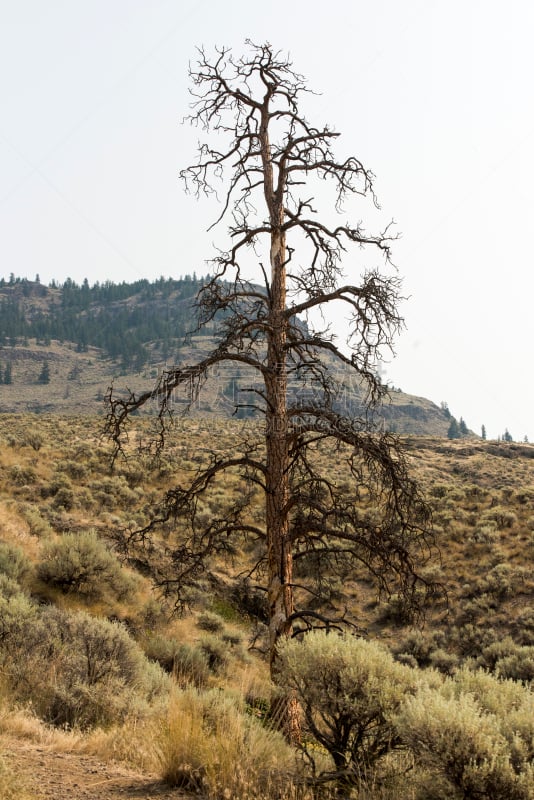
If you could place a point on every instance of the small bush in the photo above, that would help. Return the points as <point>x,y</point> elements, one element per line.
<point>77,670</point>
<point>34,439</point>
<point>216,653</point>
<point>22,476</point>
<point>13,562</point>
<point>82,563</point>
<point>463,743</point>
<point>74,469</point>
<point>519,665</point>
<point>475,731</point>
<point>16,612</point>
<point>348,689</point>
<point>191,666</point>
<point>210,622</point>
<point>38,526</point>
<point>503,517</point>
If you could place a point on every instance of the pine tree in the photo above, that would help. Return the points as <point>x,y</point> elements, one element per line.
<point>454,429</point>
<point>44,375</point>
<point>8,374</point>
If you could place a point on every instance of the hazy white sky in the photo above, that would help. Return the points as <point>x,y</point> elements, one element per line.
<point>434,96</point>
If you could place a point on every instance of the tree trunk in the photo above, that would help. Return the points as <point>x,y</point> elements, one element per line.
<point>279,557</point>
<point>286,710</point>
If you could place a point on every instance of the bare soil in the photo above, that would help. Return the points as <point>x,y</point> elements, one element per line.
<point>51,775</point>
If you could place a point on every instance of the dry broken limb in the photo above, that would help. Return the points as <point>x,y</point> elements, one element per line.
<point>270,164</point>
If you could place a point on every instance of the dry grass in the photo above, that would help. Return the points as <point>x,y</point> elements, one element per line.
<point>483,503</point>
<point>23,724</point>
<point>12,786</point>
<point>209,744</point>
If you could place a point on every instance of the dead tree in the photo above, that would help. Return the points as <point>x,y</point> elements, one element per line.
<point>269,166</point>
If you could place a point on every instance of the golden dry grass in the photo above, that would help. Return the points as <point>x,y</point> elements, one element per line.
<point>482,495</point>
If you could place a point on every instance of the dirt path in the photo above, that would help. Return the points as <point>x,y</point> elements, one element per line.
<point>50,775</point>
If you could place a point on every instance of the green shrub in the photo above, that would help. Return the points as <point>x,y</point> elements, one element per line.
<point>348,689</point>
<point>216,653</point>
<point>82,563</point>
<point>34,439</point>
<point>418,644</point>
<point>16,612</point>
<point>37,524</point>
<point>13,561</point>
<point>77,670</point>
<point>191,666</point>
<point>519,665</point>
<point>22,476</point>
<point>512,704</point>
<point>501,515</point>
<point>210,622</point>
<point>474,731</point>
<point>74,469</point>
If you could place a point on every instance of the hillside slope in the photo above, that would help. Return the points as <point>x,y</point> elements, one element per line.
<point>61,347</point>
<point>57,492</point>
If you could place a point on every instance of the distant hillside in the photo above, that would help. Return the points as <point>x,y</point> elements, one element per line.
<point>62,345</point>
<point>118,319</point>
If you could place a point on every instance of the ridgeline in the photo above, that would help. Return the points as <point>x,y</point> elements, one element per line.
<point>62,345</point>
